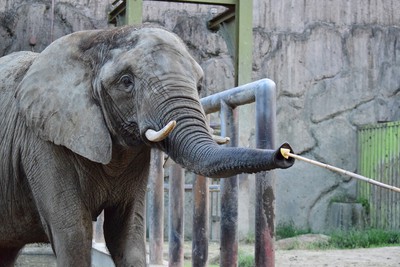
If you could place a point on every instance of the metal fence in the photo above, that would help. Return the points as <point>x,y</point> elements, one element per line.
<point>379,159</point>
<point>263,93</point>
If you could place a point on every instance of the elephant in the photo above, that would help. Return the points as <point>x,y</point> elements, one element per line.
<point>78,122</point>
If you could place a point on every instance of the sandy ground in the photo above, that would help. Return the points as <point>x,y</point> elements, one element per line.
<point>371,257</point>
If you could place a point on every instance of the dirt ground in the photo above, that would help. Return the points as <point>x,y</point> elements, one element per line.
<point>371,257</point>
<point>295,252</point>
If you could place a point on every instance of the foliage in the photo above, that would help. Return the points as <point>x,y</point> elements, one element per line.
<point>345,239</point>
<point>364,238</point>
<point>286,230</point>
<point>246,259</point>
<point>365,203</point>
<point>250,238</point>
<point>341,198</point>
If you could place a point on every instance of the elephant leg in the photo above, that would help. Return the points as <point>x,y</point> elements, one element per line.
<point>72,246</point>
<point>124,233</point>
<point>69,228</point>
<point>65,217</point>
<point>8,256</point>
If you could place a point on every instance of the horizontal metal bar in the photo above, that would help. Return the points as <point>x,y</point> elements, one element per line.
<point>241,95</point>
<point>189,187</point>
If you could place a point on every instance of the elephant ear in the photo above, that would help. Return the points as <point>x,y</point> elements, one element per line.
<point>56,100</point>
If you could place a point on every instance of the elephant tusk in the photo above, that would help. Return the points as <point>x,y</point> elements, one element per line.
<point>154,136</point>
<point>221,140</point>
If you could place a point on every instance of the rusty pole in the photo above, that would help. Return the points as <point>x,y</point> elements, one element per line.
<point>229,195</point>
<point>265,181</point>
<point>200,221</point>
<point>156,207</point>
<point>176,213</point>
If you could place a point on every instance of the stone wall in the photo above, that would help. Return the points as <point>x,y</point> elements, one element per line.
<point>336,65</point>
<point>27,24</point>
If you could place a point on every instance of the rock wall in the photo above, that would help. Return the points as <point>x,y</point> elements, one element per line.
<point>336,65</point>
<point>27,24</point>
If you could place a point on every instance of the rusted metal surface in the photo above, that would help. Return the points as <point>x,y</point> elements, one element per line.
<point>201,205</point>
<point>156,207</point>
<point>265,181</point>
<point>176,209</point>
<point>229,195</point>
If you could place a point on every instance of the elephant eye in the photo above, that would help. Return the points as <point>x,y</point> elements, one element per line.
<point>126,81</point>
<point>199,87</point>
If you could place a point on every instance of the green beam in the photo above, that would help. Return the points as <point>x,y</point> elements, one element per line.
<point>244,41</point>
<point>134,12</point>
<point>206,2</point>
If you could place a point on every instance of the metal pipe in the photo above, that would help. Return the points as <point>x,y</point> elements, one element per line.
<point>229,195</point>
<point>265,181</point>
<point>241,95</point>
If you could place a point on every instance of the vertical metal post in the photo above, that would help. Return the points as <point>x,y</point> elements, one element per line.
<point>244,41</point>
<point>156,207</point>
<point>52,20</point>
<point>200,221</point>
<point>229,196</point>
<point>265,181</point>
<point>134,12</point>
<point>176,208</point>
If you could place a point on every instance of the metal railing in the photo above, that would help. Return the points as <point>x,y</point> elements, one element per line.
<point>263,93</point>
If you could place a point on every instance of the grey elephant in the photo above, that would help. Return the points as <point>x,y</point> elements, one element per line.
<point>77,124</point>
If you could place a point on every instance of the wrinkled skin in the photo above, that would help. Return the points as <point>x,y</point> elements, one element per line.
<point>72,139</point>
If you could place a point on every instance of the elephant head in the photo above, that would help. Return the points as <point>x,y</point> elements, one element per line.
<point>92,90</point>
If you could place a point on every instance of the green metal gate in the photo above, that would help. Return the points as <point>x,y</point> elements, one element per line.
<point>379,156</point>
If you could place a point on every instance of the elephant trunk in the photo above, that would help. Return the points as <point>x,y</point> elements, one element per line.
<point>191,145</point>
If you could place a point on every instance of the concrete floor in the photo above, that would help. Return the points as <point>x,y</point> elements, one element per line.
<point>36,256</point>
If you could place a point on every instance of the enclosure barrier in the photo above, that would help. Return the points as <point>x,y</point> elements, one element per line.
<point>379,158</point>
<point>263,93</point>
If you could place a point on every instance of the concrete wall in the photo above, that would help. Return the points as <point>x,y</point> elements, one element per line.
<point>336,65</point>
<point>23,22</point>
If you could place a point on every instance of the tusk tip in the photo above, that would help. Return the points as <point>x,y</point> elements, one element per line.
<point>171,124</point>
<point>221,140</point>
